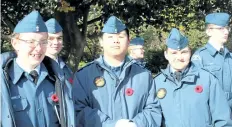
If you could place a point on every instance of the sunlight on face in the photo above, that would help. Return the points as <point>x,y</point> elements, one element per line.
<point>217,33</point>
<point>115,45</point>
<point>178,59</point>
<point>55,43</point>
<point>30,48</point>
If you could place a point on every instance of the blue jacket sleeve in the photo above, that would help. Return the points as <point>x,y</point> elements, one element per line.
<point>151,114</point>
<point>219,107</point>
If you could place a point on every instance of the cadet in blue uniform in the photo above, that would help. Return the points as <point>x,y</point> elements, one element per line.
<point>55,45</point>
<point>189,96</point>
<point>30,95</point>
<point>114,90</point>
<point>136,50</point>
<point>214,56</point>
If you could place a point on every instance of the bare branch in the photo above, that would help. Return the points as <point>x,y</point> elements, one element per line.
<point>5,19</point>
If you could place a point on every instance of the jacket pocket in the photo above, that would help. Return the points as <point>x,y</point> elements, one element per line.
<point>19,104</point>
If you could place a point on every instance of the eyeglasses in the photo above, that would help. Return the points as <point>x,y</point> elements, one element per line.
<point>221,28</point>
<point>34,43</point>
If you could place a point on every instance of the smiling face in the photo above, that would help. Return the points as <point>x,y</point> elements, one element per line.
<point>55,44</point>
<point>30,48</point>
<point>217,33</point>
<point>178,59</point>
<point>115,45</point>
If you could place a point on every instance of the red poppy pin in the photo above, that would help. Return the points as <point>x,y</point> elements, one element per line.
<point>70,80</point>
<point>129,91</point>
<point>54,98</point>
<point>198,89</point>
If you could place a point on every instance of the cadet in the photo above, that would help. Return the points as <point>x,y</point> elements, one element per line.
<point>55,45</point>
<point>114,89</point>
<point>189,96</point>
<point>136,50</point>
<point>31,95</point>
<point>214,56</point>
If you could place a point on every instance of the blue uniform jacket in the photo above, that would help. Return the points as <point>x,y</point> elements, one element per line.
<point>26,104</point>
<point>196,101</point>
<point>220,65</point>
<point>102,98</point>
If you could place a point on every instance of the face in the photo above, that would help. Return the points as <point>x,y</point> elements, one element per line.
<point>218,33</point>
<point>55,43</point>
<point>115,45</point>
<point>30,48</point>
<point>137,52</point>
<point>178,59</point>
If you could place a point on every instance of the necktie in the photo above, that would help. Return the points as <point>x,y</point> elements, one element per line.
<point>34,75</point>
<point>178,75</point>
<point>221,51</point>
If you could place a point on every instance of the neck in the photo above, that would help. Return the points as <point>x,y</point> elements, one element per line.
<point>216,45</point>
<point>27,68</point>
<point>114,61</point>
<point>54,57</point>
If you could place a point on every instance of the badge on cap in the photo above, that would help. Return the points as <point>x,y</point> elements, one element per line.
<point>37,28</point>
<point>161,93</point>
<point>99,81</point>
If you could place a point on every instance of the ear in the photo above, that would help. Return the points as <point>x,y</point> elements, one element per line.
<point>14,43</point>
<point>166,55</point>
<point>101,41</point>
<point>208,32</point>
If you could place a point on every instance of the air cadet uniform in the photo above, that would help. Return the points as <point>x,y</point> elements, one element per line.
<point>106,94</point>
<point>65,73</point>
<point>25,103</point>
<point>196,99</point>
<point>216,61</point>
<point>138,41</point>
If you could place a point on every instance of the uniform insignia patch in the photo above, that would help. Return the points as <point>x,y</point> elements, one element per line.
<point>99,81</point>
<point>161,93</point>
<point>196,57</point>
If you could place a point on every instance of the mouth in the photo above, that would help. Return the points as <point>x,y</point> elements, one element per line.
<point>36,56</point>
<point>115,47</point>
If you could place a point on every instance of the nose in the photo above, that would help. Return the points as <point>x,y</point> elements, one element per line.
<point>116,39</point>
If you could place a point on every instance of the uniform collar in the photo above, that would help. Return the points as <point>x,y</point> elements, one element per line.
<point>37,69</point>
<point>128,62</point>
<point>15,72</point>
<point>188,75</point>
<point>61,63</point>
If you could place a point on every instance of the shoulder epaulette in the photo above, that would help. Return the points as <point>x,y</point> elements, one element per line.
<point>155,75</point>
<point>88,64</point>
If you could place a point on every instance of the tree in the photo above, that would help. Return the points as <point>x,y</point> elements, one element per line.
<point>78,16</point>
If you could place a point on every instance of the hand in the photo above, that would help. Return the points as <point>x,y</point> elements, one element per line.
<point>125,123</point>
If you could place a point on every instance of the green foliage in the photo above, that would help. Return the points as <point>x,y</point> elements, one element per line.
<point>83,20</point>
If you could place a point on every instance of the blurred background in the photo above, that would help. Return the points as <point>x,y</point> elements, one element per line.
<point>82,21</point>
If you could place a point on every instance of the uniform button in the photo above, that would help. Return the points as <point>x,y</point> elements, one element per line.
<point>40,110</point>
<point>8,116</point>
<point>14,106</point>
